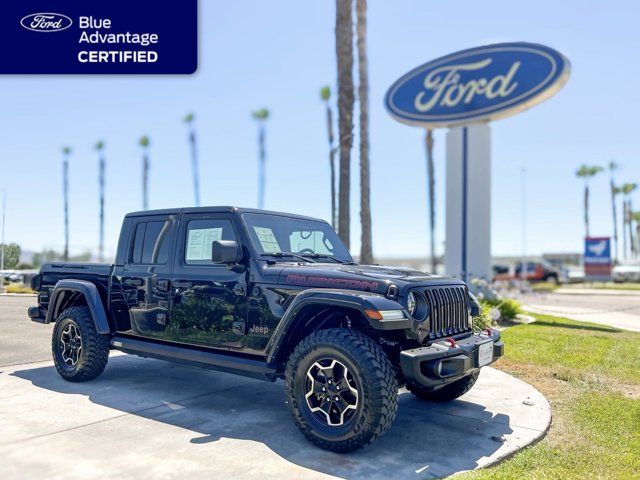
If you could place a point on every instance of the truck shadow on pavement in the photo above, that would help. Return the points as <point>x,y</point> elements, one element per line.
<point>426,440</point>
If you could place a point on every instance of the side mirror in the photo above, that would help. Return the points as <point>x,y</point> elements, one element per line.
<point>225,251</point>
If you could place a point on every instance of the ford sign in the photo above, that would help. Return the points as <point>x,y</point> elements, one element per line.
<point>46,22</point>
<point>479,84</point>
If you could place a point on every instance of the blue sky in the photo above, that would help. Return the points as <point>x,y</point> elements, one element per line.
<point>278,55</point>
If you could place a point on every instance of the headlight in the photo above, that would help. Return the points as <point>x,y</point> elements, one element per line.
<point>412,303</point>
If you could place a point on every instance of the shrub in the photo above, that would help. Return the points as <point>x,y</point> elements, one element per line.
<point>508,307</point>
<point>18,288</point>
<point>484,320</point>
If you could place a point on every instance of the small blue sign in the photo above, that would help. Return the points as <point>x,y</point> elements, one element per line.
<point>597,250</point>
<point>99,37</point>
<point>478,84</point>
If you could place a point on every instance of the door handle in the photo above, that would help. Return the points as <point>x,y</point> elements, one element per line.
<point>133,282</point>
<point>182,284</point>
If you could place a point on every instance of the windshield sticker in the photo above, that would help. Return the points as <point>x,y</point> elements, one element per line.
<point>199,242</point>
<point>267,239</point>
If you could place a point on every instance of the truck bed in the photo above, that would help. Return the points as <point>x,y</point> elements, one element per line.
<point>51,273</point>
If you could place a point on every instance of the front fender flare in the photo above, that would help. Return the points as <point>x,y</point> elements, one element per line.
<point>92,297</point>
<point>352,299</point>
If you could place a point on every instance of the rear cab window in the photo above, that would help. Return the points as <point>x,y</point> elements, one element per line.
<point>151,242</point>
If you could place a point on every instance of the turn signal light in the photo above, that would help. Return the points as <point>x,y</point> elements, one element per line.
<point>385,314</point>
<point>373,314</point>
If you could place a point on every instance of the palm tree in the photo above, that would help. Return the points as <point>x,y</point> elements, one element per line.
<point>325,95</point>
<point>366,248</point>
<point>261,117</point>
<point>431,179</point>
<point>66,151</point>
<point>188,119</point>
<point>101,183</point>
<point>344,55</point>
<point>613,166</point>
<point>627,189</point>
<point>635,216</point>
<point>144,143</point>
<point>586,172</point>
<point>617,191</point>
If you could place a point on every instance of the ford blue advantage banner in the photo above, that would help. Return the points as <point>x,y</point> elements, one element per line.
<point>98,37</point>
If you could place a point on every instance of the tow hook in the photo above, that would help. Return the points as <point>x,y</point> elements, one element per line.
<point>452,343</point>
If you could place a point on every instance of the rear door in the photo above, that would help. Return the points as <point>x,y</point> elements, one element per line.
<point>209,301</point>
<point>146,273</point>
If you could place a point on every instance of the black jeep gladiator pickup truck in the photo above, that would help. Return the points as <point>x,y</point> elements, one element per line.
<point>269,295</point>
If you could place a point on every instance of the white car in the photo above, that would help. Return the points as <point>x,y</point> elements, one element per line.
<point>626,272</point>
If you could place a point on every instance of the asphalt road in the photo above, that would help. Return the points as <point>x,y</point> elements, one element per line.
<point>21,340</point>
<point>615,309</point>
<point>146,418</point>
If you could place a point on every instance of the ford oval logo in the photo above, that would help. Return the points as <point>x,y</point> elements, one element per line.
<point>482,83</point>
<point>46,22</point>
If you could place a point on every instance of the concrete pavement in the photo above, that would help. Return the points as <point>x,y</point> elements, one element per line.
<point>614,310</point>
<point>147,418</point>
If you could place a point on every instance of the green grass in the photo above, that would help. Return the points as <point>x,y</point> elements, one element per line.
<point>544,286</point>
<point>591,375</point>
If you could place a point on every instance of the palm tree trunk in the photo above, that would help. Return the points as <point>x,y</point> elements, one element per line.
<point>615,219</point>
<point>65,188</point>
<point>431,178</point>
<point>261,166</point>
<point>624,227</point>
<point>194,166</point>
<point>366,247</point>
<point>145,180</point>
<point>586,209</point>
<point>101,183</point>
<point>632,246</point>
<point>344,54</point>
<point>332,164</point>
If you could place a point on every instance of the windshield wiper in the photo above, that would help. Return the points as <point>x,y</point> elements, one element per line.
<point>324,255</point>
<point>287,254</point>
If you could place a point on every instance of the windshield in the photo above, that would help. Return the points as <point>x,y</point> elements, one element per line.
<point>274,234</point>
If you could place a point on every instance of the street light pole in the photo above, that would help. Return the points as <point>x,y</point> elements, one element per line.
<point>523,267</point>
<point>4,209</point>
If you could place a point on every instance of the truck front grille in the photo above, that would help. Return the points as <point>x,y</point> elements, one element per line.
<point>448,310</point>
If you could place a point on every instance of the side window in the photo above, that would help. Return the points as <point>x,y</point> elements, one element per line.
<point>151,243</point>
<point>201,234</point>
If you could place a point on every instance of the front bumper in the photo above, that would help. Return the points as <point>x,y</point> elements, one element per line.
<point>438,364</point>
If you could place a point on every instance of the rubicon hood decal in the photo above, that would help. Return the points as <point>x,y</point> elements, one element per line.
<point>330,282</point>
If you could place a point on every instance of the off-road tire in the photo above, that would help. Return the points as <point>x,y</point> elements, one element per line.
<point>373,376</point>
<point>94,354</point>
<point>445,394</point>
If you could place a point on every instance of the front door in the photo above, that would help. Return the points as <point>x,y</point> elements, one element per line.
<point>209,301</point>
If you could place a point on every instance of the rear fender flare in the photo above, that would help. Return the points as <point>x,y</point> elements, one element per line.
<point>91,295</point>
<point>349,299</point>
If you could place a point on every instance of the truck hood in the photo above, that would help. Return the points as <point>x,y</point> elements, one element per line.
<point>371,278</point>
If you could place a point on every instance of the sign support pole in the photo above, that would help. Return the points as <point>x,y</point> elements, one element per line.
<point>468,202</point>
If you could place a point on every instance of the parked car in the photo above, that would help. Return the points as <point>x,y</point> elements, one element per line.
<point>533,272</point>
<point>271,296</point>
<point>626,272</point>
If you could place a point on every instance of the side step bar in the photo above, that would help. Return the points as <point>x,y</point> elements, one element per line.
<point>214,361</point>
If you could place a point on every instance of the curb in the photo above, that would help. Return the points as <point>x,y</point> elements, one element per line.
<point>596,291</point>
